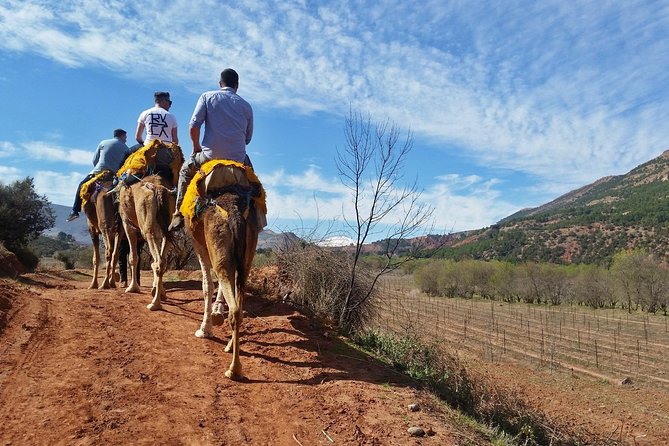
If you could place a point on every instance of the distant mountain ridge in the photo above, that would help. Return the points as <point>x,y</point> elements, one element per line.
<point>587,225</point>
<point>78,229</point>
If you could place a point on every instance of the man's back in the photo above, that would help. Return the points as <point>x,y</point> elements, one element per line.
<point>110,155</point>
<point>228,121</point>
<point>158,123</point>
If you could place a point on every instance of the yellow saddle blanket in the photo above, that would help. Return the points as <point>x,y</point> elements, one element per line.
<point>216,174</point>
<point>156,153</point>
<point>89,188</point>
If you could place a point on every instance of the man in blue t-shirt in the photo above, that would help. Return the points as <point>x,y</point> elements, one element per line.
<point>110,155</point>
<point>228,128</point>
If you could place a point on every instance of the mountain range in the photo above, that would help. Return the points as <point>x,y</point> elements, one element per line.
<point>587,225</point>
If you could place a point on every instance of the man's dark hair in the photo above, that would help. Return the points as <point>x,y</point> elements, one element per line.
<point>230,78</point>
<point>119,133</point>
<point>160,95</point>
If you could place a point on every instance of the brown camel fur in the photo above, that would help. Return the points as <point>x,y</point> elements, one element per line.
<point>146,208</point>
<point>103,219</point>
<point>225,237</point>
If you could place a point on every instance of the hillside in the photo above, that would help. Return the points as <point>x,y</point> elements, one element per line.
<point>587,225</point>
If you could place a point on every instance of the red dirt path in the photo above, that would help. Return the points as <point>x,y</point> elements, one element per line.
<point>89,367</point>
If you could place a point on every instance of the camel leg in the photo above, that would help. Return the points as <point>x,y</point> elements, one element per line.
<point>234,298</point>
<point>163,265</point>
<point>95,238</point>
<point>133,257</point>
<point>115,254</point>
<point>207,290</point>
<point>217,309</point>
<point>108,259</point>
<point>156,267</point>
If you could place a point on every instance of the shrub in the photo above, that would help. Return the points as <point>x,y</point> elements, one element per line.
<point>318,279</point>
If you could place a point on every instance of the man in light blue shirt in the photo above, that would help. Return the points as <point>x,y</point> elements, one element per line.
<point>110,155</point>
<point>228,128</point>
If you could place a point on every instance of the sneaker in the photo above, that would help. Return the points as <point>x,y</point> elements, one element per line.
<point>177,223</point>
<point>72,216</point>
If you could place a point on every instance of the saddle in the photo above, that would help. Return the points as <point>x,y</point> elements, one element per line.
<point>218,177</point>
<point>91,188</point>
<point>156,157</point>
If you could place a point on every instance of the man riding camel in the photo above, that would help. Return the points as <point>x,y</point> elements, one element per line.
<point>228,121</point>
<point>158,122</point>
<point>109,155</point>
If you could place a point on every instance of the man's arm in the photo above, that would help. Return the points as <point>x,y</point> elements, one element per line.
<point>249,128</point>
<point>175,137</point>
<point>139,132</point>
<point>96,157</point>
<point>195,139</point>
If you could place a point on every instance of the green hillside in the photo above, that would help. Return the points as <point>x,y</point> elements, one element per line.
<point>588,225</point>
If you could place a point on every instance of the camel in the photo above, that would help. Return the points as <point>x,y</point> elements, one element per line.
<point>146,208</point>
<point>103,219</point>
<point>224,237</point>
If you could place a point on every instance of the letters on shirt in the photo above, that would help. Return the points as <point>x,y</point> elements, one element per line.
<point>157,125</point>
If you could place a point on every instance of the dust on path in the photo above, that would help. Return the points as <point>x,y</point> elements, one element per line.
<point>90,367</point>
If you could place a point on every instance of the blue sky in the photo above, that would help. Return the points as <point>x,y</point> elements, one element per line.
<point>511,103</point>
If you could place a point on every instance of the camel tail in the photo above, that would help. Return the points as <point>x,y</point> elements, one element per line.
<point>238,228</point>
<point>164,214</point>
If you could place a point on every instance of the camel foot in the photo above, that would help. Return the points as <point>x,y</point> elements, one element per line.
<point>132,289</point>
<point>203,334</point>
<point>218,313</point>
<point>154,307</point>
<point>233,375</point>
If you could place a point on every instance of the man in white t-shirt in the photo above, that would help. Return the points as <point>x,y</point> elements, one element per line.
<point>158,122</point>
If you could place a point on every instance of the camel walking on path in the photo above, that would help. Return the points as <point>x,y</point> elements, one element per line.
<point>103,219</point>
<point>224,237</point>
<point>146,208</point>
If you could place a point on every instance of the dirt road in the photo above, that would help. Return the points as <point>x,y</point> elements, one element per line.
<point>89,367</point>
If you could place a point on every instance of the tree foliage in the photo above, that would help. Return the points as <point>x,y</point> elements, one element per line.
<point>636,281</point>
<point>23,214</point>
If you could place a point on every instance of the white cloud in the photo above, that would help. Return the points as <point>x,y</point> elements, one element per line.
<point>42,150</point>
<point>466,202</point>
<point>59,188</point>
<point>564,93</point>
<point>9,174</point>
<point>459,202</point>
<point>7,149</point>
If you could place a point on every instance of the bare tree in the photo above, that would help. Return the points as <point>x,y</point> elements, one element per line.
<point>372,165</point>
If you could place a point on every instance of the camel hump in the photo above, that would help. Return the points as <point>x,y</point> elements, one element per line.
<point>224,176</point>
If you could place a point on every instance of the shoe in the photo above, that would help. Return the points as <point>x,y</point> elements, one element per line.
<point>72,216</point>
<point>177,223</point>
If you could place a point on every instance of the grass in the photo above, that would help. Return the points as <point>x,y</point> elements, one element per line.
<point>510,419</point>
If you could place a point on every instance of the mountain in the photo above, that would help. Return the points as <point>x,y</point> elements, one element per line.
<point>268,239</point>
<point>587,225</point>
<point>77,228</point>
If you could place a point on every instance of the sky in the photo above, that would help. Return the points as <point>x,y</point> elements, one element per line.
<point>509,104</point>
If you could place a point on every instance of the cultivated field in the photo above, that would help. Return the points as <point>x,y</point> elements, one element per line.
<point>603,344</point>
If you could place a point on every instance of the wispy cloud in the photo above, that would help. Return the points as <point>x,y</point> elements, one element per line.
<point>564,92</point>
<point>59,188</point>
<point>9,174</point>
<point>7,149</point>
<point>42,150</point>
